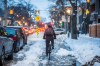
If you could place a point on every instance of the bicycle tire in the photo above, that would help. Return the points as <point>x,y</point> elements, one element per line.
<point>49,51</point>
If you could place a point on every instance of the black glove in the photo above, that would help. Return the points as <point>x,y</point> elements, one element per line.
<point>43,37</point>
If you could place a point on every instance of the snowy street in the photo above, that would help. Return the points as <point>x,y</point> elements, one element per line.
<point>67,52</point>
<point>49,32</point>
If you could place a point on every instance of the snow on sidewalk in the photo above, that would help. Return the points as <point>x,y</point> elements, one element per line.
<point>97,64</point>
<point>84,49</point>
<point>31,57</point>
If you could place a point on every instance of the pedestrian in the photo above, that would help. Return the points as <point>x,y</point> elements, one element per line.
<point>49,35</point>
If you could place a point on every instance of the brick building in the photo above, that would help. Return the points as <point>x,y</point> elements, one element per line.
<point>94,28</point>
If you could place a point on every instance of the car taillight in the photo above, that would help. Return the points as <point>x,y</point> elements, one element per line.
<point>29,31</point>
<point>14,38</point>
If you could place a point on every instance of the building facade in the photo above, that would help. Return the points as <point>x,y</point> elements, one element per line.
<point>95,11</point>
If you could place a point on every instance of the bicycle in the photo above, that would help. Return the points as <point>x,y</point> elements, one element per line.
<point>49,50</point>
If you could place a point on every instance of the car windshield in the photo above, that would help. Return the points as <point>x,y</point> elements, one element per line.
<point>10,31</point>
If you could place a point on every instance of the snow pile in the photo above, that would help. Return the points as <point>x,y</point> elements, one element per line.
<point>97,64</point>
<point>35,37</point>
<point>84,49</point>
<point>62,52</point>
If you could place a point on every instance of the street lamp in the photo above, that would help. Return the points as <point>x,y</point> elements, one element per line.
<point>17,15</point>
<point>88,1</point>
<point>68,11</point>
<point>11,12</point>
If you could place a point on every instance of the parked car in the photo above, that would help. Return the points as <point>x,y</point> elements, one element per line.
<point>59,31</point>
<point>16,37</point>
<point>6,47</point>
<point>26,30</point>
<point>23,32</point>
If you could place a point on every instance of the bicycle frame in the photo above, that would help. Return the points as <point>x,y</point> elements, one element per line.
<point>49,50</point>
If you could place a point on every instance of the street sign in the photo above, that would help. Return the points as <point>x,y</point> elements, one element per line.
<point>37,18</point>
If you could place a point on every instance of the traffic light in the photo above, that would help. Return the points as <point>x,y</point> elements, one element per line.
<point>37,11</point>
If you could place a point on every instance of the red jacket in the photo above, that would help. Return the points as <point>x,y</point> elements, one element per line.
<point>49,37</point>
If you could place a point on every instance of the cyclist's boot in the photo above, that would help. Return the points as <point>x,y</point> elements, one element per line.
<point>52,47</point>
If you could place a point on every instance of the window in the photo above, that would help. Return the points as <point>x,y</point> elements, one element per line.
<point>98,20</point>
<point>10,31</point>
<point>92,7</point>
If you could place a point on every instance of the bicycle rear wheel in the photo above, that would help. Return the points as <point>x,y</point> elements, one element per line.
<point>49,51</point>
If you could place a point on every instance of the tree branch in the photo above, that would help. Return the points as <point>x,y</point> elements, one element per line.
<point>71,3</point>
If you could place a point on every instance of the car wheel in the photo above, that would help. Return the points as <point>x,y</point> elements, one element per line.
<point>10,57</point>
<point>21,44</point>
<point>2,60</point>
<point>25,41</point>
<point>17,48</point>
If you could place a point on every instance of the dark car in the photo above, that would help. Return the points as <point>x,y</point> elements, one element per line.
<point>20,28</point>
<point>17,38</point>
<point>6,46</point>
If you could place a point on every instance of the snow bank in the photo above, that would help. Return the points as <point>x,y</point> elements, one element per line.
<point>62,52</point>
<point>35,37</point>
<point>84,49</point>
<point>97,64</point>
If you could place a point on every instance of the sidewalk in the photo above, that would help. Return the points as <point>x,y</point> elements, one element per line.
<point>67,51</point>
<point>84,49</point>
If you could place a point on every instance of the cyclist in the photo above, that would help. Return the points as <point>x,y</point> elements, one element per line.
<point>49,35</point>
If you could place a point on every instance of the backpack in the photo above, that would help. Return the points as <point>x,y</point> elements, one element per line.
<point>49,31</point>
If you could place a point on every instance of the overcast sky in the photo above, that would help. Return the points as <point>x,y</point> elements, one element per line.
<point>42,5</point>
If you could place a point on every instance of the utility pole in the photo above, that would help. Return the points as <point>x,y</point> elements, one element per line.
<point>5,13</point>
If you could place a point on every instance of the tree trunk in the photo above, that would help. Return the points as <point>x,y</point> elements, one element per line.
<point>5,13</point>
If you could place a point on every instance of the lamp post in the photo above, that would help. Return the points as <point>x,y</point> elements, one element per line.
<point>68,12</point>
